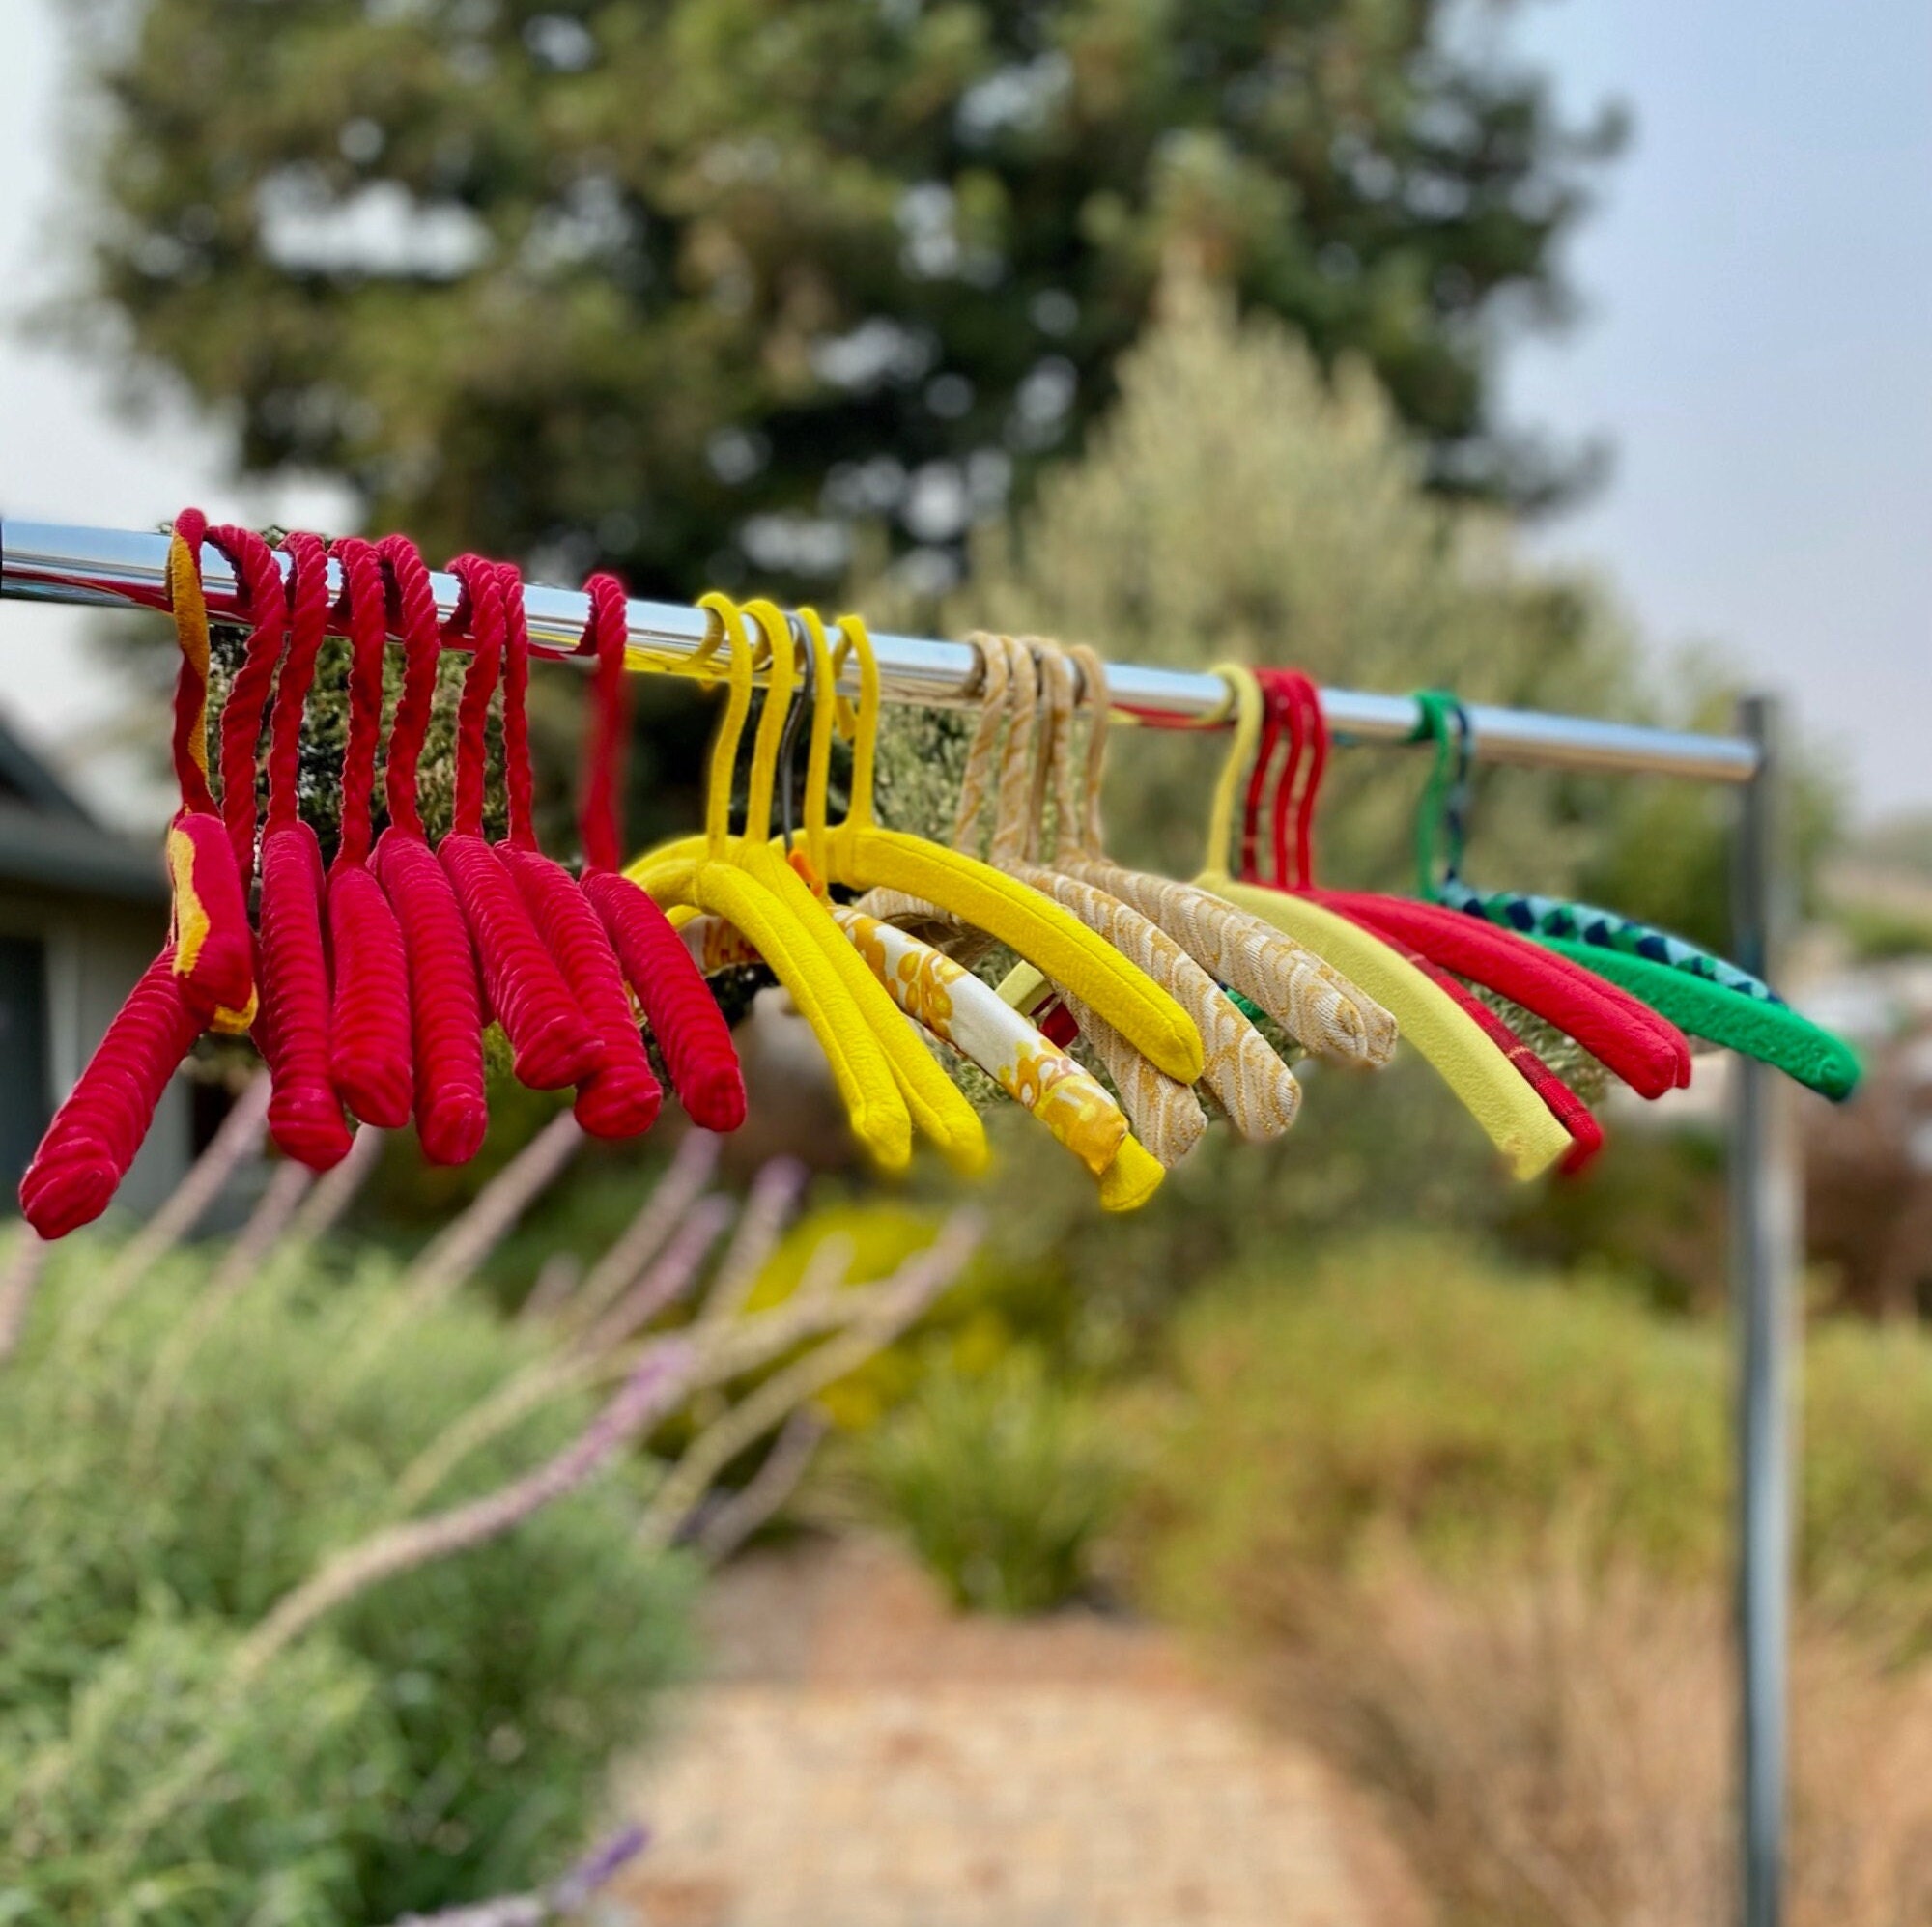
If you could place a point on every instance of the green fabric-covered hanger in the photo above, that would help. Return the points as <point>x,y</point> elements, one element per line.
<point>1701,993</point>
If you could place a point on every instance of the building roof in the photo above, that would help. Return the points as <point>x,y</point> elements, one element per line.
<point>49,840</point>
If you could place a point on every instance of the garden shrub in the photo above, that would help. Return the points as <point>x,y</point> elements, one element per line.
<point>1003,1482</point>
<point>1409,1391</point>
<point>302,1775</point>
<point>506,1677</point>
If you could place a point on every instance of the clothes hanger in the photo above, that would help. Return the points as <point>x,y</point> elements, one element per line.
<point>619,1097</point>
<point>1313,1003</point>
<point>935,992</point>
<point>937,1108</point>
<point>552,1043</point>
<point>1294,712</point>
<point>1632,1042</point>
<point>369,1020</point>
<point>1166,1113</point>
<point>691,1031</point>
<point>445,1006</point>
<point>861,855</point>
<point>1484,1081</point>
<point>214,944</point>
<point>715,880</point>
<point>1694,989</point>
<point>1255,1088</point>
<point>98,1130</point>
<point>948,1002</point>
<point>1041,1078</point>
<point>305,1120</point>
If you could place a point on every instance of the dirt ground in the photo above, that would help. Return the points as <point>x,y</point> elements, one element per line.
<point>862,1757</point>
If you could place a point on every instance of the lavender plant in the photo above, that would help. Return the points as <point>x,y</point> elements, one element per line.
<point>434,1520</point>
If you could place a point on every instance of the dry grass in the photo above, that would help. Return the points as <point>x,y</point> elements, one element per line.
<point>1554,1748</point>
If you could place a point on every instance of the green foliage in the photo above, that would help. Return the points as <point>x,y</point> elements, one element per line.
<point>1900,845</point>
<point>502,1679</point>
<point>1239,504</point>
<point>1405,1394</point>
<point>669,286</point>
<point>1883,933</point>
<point>303,1772</point>
<point>1651,1208</point>
<point>1002,1482</point>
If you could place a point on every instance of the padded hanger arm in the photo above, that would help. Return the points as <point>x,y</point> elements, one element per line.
<point>1482,1079</point>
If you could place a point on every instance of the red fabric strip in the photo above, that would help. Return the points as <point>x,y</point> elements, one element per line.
<point>98,1129</point>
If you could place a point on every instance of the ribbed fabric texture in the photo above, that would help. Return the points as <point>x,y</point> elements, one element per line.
<point>692,1035</point>
<point>98,1130</point>
<point>100,1126</point>
<point>550,1043</point>
<point>445,1010</point>
<point>619,1095</point>
<point>304,1113</point>
<point>211,942</point>
<point>369,1016</point>
<point>305,1118</point>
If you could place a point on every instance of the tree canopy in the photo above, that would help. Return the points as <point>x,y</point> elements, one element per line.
<point>693,287</point>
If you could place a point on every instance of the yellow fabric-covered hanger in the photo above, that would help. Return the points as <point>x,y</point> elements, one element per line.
<point>966,1013</point>
<point>732,878</point>
<point>947,1000</point>
<point>860,854</point>
<point>1165,1112</point>
<point>1485,1082</point>
<point>863,855</point>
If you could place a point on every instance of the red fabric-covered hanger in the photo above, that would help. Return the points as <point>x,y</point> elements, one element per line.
<point>691,1032</point>
<point>96,1134</point>
<point>292,1031</point>
<point>369,1018</point>
<point>1293,708</point>
<point>620,1096</point>
<point>213,946</point>
<point>551,1044</point>
<point>445,1008</point>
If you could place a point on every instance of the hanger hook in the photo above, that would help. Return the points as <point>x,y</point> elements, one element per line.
<point>788,743</point>
<point>1444,807</point>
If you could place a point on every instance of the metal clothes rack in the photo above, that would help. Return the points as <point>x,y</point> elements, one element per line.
<point>118,568</point>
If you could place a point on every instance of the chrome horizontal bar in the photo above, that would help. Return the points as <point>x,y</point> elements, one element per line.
<point>124,568</point>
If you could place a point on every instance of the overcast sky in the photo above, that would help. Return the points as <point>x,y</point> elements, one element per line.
<point>1757,351</point>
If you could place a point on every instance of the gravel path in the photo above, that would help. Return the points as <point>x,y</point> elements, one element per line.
<point>861,1758</point>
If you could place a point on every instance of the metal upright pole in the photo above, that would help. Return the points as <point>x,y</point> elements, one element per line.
<point>1763,1194</point>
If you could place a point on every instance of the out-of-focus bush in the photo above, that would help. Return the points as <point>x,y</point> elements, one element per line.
<point>1002,1482</point>
<point>302,1775</point>
<point>1408,1391</point>
<point>1470,1526</point>
<point>1651,1209</point>
<point>498,1683</point>
<point>1401,1387</point>
<point>1554,1746</point>
<point>999,1301</point>
<point>1239,503</point>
